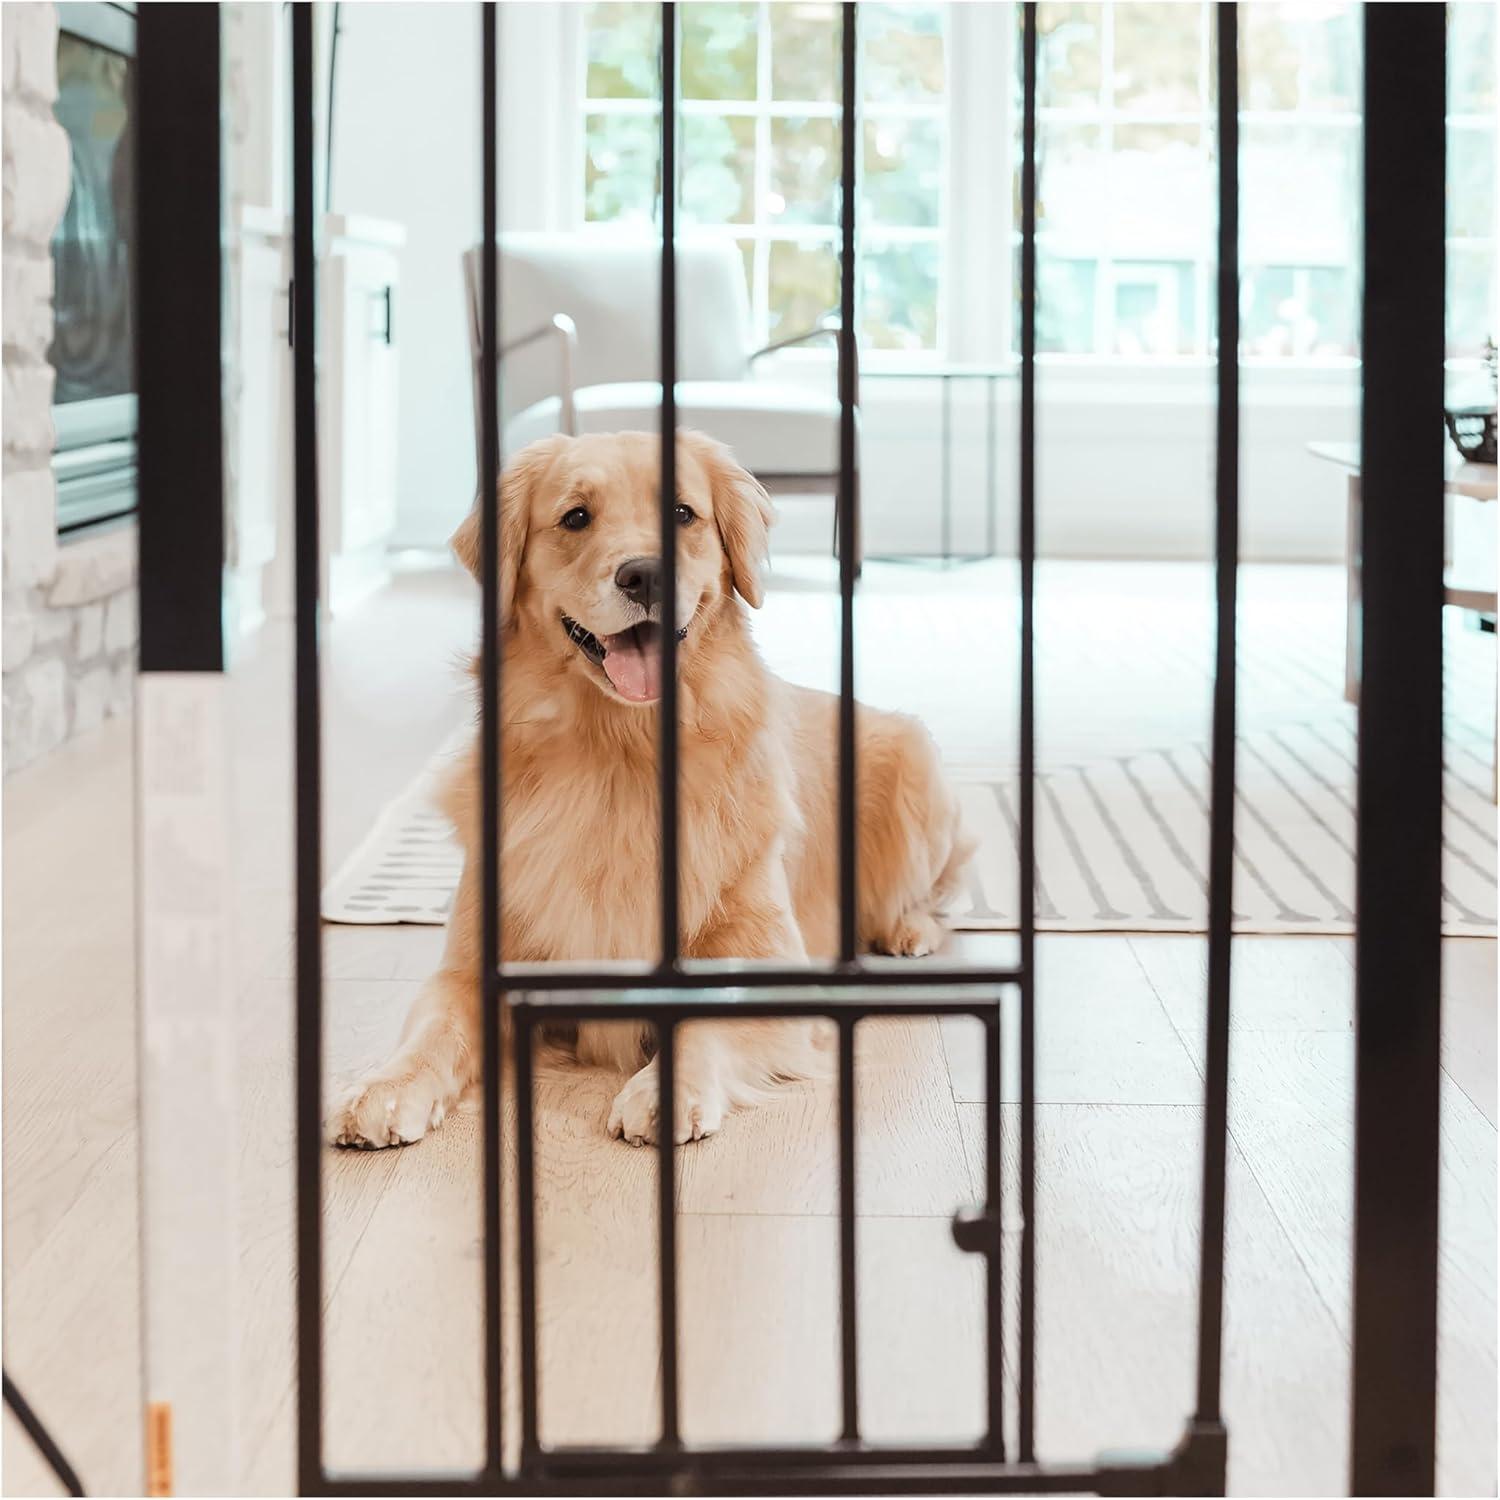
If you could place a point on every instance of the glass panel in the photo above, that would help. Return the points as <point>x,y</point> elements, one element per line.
<point>1070,169</point>
<point>621,168</point>
<point>1153,307</point>
<point>1471,299</point>
<point>1471,181</point>
<point>1158,59</point>
<point>903,172</point>
<point>804,172</point>
<point>1289,310</point>
<point>900,284</point>
<point>1065,304</point>
<point>804,51</point>
<point>1299,56</point>
<point>1159,192</point>
<point>624,40</point>
<point>1067,65</point>
<point>718,169</point>
<point>903,52</point>
<point>717,57</point>
<point>1300,198</point>
<point>804,284</point>
<point>1471,57</point>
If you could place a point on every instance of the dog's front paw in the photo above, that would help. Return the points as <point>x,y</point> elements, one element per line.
<point>697,1112</point>
<point>915,935</point>
<point>386,1110</point>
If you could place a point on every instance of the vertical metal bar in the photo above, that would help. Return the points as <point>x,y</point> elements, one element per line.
<point>994,1209</point>
<point>526,1229</point>
<point>489,734</point>
<point>668,356</point>
<point>308,770</point>
<point>1027,799</point>
<point>666,1184</point>
<point>848,494</point>
<point>848,1298</point>
<point>666,1205</point>
<point>1399,811</point>
<point>1221,790</point>
<point>947,485</point>
<point>178,279</point>
<point>989,466</point>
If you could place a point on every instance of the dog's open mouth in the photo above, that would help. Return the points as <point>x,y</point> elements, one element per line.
<point>631,659</point>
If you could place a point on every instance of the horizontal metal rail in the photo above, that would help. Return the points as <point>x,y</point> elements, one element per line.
<point>685,975</point>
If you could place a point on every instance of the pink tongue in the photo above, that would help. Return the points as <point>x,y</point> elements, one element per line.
<point>636,673</point>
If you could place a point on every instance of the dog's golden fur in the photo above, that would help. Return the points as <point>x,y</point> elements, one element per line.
<point>758,799</point>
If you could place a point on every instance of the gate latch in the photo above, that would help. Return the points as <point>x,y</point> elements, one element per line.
<point>976,1231</point>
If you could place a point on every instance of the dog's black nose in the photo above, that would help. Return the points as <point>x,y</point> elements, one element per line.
<point>640,578</point>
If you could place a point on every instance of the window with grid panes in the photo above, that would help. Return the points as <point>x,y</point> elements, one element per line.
<point>759,150</point>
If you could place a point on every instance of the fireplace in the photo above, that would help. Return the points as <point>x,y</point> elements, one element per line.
<point>93,349</point>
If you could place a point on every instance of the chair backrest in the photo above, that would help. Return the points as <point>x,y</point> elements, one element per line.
<point>610,287</point>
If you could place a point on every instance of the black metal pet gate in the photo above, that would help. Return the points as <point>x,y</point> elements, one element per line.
<point>1399,810</point>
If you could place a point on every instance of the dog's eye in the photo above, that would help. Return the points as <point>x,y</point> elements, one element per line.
<point>686,515</point>
<point>577,518</point>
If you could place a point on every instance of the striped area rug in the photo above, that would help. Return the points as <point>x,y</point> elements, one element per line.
<point>1122,793</point>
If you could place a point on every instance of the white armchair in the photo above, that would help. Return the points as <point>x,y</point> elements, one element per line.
<point>585,356</point>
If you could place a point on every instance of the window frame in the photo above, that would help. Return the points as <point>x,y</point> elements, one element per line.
<point>761,230</point>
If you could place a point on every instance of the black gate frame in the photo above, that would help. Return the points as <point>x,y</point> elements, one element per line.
<point>1398,845</point>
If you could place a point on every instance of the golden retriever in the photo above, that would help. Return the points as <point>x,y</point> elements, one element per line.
<point>579,619</point>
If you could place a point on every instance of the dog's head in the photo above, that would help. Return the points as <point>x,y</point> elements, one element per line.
<point>580,550</point>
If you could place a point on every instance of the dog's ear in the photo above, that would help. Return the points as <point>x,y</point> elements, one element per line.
<point>516,486</point>
<point>742,511</point>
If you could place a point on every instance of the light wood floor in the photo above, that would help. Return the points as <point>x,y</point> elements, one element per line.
<point>1119,1123</point>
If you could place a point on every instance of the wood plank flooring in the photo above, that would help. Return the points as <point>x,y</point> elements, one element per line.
<point>1119,1135</point>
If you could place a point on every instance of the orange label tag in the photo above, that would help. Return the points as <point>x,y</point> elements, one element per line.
<point>159,1448</point>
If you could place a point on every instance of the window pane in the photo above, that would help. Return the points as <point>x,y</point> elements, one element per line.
<point>1299,56</point>
<point>718,50</point>
<point>1288,310</point>
<point>624,40</point>
<point>903,172</point>
<point>1471,56</point>
<point>621,168</point>
<point>900,295</point>
<point>903,52</point>
<point>1071,169</point>
<point>804,51</point>
<point>804,171</point>
<point>1153,308</point>
<point>1471,181</point>
<point>1065,304</point>
<point>1300,195</point>
<point>1159,191</point>
<point>1471,299</point>
<point>804,285</point>
<point>718,169</point>
<point>1157,57</point>
<point>1067,66</point>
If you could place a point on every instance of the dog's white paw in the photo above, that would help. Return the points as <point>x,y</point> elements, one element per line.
<point>915,935</point>
<point>697,1112</point>
<point>387,1110</point>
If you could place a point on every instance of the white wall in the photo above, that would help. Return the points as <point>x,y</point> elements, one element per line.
<point>407,147</point>
<point>1124,455</point>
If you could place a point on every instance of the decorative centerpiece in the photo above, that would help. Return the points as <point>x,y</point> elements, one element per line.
<point>1471,425</point>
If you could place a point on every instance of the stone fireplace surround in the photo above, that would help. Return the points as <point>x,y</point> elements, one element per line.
<point>68,648</point>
